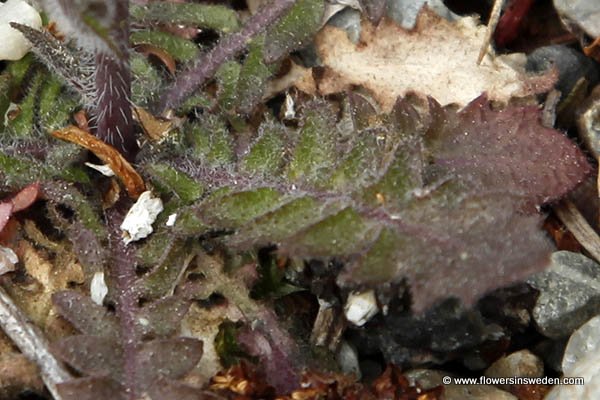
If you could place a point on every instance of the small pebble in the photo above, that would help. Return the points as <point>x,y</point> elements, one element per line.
<point>569,294</point>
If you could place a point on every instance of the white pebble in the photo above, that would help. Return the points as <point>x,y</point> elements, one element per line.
<point>171,220</point>
<point>361,307</point>
<point>8,259</point>
<point>138,221</point>
<point>13,45</point>
<point>98,288</point>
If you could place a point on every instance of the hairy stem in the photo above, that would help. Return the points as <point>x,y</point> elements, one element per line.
<point>123,272</point>
<point>113,84</point>
<point>207,64</point>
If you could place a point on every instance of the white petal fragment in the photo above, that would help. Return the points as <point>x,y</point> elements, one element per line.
<point>103,169</point>
<point>361,307</point>
<point>13,45</point>
<point>98,288</point>
<point>8,259</point>
<point>171,220</point>
<point>138,221</point>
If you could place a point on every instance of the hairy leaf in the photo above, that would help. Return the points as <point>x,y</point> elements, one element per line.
<point>168,358</point>
<point>434,196</point>
<point>294,29</point>
<point>208,16</point>
<point>92,355</point>
<point>179,48</point>
<point>162,317</point>
<point>88,317</point>
<point>91,389</point>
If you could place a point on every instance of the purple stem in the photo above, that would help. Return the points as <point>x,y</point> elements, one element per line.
<point>123,273</point>
<point>207,64</point>
<point>114,122</point>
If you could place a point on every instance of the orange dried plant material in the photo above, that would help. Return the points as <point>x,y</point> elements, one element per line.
<point>156,129</point>
<point>241,379</point>
<point>134,184</point>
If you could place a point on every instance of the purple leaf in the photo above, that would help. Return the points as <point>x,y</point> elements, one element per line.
<point>168,358</point>
<point>278,355</point>
<point>163,317</point>
<point>86,316</point>
<point>92,355</point>
<point>505,151</point>
<point>91,389</point>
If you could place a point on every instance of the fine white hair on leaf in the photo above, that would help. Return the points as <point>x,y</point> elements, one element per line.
<point>75,67</point>
<point>71,17</point>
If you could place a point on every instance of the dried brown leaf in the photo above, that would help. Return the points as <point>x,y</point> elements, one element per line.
<point>156,129</point>
<point>437,57</point>
<point>131,179</point>
<point>49,277</point>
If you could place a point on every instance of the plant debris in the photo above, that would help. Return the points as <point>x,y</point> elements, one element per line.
<point>321,202</point>
<point>437,57</point>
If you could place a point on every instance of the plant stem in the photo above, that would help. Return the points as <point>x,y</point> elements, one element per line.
<point>123,272</point>
<point>113,85</point>
<point>207,64</point>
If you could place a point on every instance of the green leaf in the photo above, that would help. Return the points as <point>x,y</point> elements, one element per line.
<point>211,141</point>
<point>265,156</point>
<point>217,17</point>
<point>239,208</point>
<point>170,180</point>
<point>341,234</point>
<point>146,81</point>
<point>54,108</point>
<point>315,154</point>
<point>23,125</point>
<point>17,172</point>
<point>295,29</point>
<point>253,76</point>
<point>180,49</point>
<point>227,77</point>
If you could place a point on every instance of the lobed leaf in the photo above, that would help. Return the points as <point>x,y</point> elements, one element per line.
<point>428,194</point>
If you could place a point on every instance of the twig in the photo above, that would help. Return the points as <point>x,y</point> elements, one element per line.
<point>491,27</point>
<point>568,213</point>
<point>32,343</point>
<point>208,63</point>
